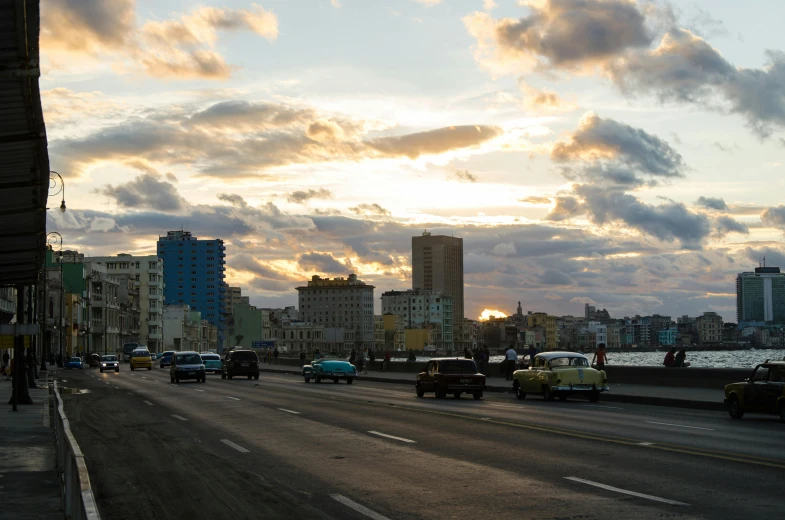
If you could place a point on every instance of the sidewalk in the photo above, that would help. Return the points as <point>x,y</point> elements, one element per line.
<point>696,398</point>
<point>28,471</point>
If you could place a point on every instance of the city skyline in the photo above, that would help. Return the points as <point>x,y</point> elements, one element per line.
<point>315,142</point>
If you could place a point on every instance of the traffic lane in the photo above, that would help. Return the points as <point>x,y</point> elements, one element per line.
<point>555,458</point>
<point>396,477</point>
<point>148,460</point>
<point>705,430</point>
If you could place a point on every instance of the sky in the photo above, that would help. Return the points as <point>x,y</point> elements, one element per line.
<point>630,155</point>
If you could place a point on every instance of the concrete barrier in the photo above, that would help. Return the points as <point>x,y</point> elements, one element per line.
<point>689,377</point>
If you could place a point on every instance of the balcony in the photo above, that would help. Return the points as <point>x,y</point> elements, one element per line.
<point>158,297</point>
<point>156,283</point>
<point>155,323</point>
<point>155,336</point>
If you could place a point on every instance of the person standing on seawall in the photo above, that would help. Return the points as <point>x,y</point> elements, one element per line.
<point>600,357</point>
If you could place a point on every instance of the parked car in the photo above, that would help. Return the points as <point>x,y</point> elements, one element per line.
<point>110,362</point>
<point>140,358</point>
<point>94,361</point>
<point>329,368</point>
<point>153,356</point>
<point>454,376</point>
<point>212,363</point>
<point>762,392</point>
<point>74,362</point>
<point>562,375</point>
<point>187,365</point>
<point>240,363</point>
<point>166,358</point>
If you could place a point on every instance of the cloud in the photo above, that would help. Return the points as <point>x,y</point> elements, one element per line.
<point>726,224</point>
<point>435,141</point>
<point>566,207</point>
<point>488,5</point>
<point>429,2</point>
<point>336,4</point>
<point>504,249</point>
<point>301,197</point>
<point>465,176</point>
<point>538,99</point>
<point>145,192</point>
<point>556,277</point>
<point>178,48</point>
<point>774,217</point>
<point>370,209</point>
<point>536,201</point>
<point>712,203</point>
<point>321,263</point>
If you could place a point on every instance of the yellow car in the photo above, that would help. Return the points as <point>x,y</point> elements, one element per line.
<point>141,359</point>
<point>560,374</point>
<point>762,392</point>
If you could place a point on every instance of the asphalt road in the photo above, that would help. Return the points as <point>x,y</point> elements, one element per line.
<point>280,448</point>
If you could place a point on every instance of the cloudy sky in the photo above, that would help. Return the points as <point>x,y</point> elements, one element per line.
<point>628,154</point>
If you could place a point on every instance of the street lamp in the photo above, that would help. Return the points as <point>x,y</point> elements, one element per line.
<point>55,238</point>
<point>55,179</point>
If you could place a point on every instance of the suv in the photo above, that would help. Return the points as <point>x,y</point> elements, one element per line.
<point>450,376</point>
<point>241,363</point>
<point>166,358</point>
<point>187,365</point>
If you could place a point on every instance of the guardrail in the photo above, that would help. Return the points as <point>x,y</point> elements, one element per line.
<point>77,498</point>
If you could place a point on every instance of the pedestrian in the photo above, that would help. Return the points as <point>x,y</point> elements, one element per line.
<point>600,357</point>
<point>371,358</point>
<point>532,354</point>
<point>353,357</point>
<point>6,357</point>
<point>412,357</point>
<point>510,358</point>
<point>680,360</point>
<point>317,355</point>
<point>302,358</point>
<point>466,353</point>
<point>670,358</point>
<point>275,356</point>
<point>361,360</point>
<point>386,363</point>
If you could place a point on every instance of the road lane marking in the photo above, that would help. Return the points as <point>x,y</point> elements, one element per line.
<point>602,406</point>
<point>230,397</point>
<point>149,403</point>
<point>144,377</point>
<point>235,446</point>
<point>626,491</point>
<point>645,443</point>
<point>370,513</point>
<point>289,411</point>
<point>198,390</point>
<point>179,418</point>
<point>681,426</point>
<point>380,434</point>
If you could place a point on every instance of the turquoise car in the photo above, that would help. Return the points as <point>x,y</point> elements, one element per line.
<point>212,363</point>
<point>329,368</point>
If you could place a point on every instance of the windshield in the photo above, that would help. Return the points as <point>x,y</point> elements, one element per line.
<point>76,359</point>
<point>140,353</point>
<point>458,367</point>
<point>569,362</point>
<point>189,359</point>
<point>211,357</point>
<point>108,358</point>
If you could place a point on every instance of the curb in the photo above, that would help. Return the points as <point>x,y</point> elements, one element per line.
<point>606,396</point>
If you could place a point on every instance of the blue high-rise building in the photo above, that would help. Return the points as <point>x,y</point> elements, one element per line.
<point>194,275</point>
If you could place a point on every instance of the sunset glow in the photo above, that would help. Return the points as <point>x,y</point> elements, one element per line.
<point>487,313</point>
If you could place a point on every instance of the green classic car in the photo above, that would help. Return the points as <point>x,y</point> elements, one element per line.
<point>329,368</point>
<point>762,392</point>
<point>560,374</point>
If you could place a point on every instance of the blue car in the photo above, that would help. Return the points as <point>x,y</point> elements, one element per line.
<point>212,362</point>
<point>166,358</point>
<point>74,362</point>
<point>329,368</point>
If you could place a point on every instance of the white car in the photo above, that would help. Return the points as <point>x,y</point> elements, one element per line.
<point>110,362</point>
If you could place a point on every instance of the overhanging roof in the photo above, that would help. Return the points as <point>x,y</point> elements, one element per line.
<point>24,160</point>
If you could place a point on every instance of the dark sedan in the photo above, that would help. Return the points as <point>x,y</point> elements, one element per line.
<point>454,376</point>
<point>187,365</point>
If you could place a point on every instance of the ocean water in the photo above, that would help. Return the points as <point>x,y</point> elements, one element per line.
<point>705,358</point>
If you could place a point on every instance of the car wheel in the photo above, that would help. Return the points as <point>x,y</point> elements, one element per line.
<point>150,367</point>
<point>171,378</point>
<point>594,396</point>
<point>307,379</point>
<point>457,395</point>
<point>563,397</point>
<point>519,393</point>
<point>547,394</point>
<point>478,395</point>
<point>735,410</point>
<point>229,375</point>
<point>132,368</point>
<point>250,376</point>
<point>335,380</point>
<point>223,375</point>
<point>419,390</point>
<point>318,379</point>
<point>349,380</point>
<point>256,376</point>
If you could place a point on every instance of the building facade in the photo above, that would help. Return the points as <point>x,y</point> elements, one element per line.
<point>340,303</point>
<point>147,274</point>
<point>709,328</point>
<point>422,309</point>
<point>194,272</point>
<point>760,296</point>
<point>546,322</point>
<point>437,265</point>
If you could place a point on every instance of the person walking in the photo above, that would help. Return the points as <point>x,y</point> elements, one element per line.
<point>275,356</point>
<point>6,357</point>
<point>371,359</point>
<point>361,360</point>
<point>353,357</point>
<point>302,358</point>
<point>510,358</point>
<point>386,363</point>
<point>412,357</point>
<point>600,357</point>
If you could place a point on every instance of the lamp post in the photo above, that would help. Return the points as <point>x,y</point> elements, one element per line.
<point>55,238</point>
<point>55,179</point>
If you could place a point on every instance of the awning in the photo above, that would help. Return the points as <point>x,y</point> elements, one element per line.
<point>24,160</point>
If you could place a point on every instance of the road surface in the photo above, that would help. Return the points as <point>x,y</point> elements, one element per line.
<point>280,448</point>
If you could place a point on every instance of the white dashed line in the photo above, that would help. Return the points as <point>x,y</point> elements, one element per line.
<point>235,446</point>
<point>681,426</point>
<point>602,406</point>
<point>230,397</point>
<point>149,403</point>
<point>380,434</point>
<point>370,513</point>
<point>626,491</point>
<point>179,418</point>
<point>289,411</point>
<point>198,390</point>
<point>645,444</point>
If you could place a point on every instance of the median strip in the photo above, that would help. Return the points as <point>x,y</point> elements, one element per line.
<point>370,513</point>
<point>681,426</point>
<point>235,446</point>
<point>626,491</point>
<point>289,411</point>
<point>380,434</point>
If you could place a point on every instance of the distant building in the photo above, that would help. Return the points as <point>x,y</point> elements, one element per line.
<point>194,272</point>
<point>422,309</point>
<point>709,328</point>
<point>668,337</point>
<point>437,265</point>
<point>548,324</point>
<point>760,296</point>
<point>340,303</point>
